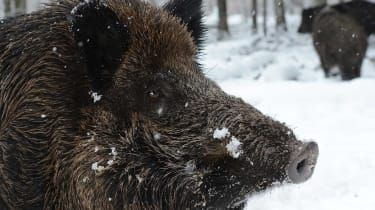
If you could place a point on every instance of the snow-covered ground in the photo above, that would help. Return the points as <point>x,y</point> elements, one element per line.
<point>281,76</point>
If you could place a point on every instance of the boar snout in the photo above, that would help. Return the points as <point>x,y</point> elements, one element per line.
<point>302,162</point>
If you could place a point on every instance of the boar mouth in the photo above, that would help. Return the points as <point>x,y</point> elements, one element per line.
<point>239,201</point>
<point>244,197</point>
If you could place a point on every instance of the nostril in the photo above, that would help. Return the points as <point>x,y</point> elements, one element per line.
<point>302,162</point>
<point>301,166</point>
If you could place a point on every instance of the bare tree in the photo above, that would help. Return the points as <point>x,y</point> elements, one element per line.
<point>254,13</point>
<point>12,7</point>
<point>223,19</point>
<point>265,17</point>
<point>280,15</point>
<point>155,2</point>
<point>152,2</point>
<point>7,7</point>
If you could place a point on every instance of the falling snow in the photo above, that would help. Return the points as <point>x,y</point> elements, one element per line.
<point>160,110</point>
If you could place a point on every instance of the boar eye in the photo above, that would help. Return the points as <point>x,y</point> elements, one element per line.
<point>155,94</point>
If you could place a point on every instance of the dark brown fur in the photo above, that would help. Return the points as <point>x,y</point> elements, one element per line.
<point>148,143</point>
<point>339,40</point>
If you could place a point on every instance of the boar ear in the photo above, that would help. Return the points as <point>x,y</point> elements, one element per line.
<point>190,12</point>
<point>102,39</point>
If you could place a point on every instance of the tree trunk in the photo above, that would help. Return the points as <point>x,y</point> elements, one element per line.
<point>7,7</point>
<point>20,6</point>
<point>265,17</point>
<point>223,19</point>
<point>321,1</point>
<point>153,2</point>
<point>254,13</point>
<point>13,7</point>
<point>280,15</point>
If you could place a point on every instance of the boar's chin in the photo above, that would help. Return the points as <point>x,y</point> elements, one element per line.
<point>232,191</point>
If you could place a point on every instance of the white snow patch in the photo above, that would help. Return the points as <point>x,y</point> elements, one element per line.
<point>95,96</point>
<point>113,151</point>
<point>152,94</point>
<point>190,167</point>
<point>139,178</point>
<point>91,135</point>
<point>75,9</point>
<point>43,116</point>
<point>221,133</point>
<point>96,167</point>
<point>157,136</point>
<point>85,179</point>
<point>233,147</point>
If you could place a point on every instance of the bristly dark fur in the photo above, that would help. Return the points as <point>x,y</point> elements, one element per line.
<point>149,142</point>
<point>103,39</point>
<point>191,13</point>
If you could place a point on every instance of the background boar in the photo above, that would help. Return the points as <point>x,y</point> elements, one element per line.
<point>104,105</point>
<point>339,40</point>
<point>362,11</point>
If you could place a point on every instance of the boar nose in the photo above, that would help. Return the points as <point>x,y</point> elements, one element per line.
<point>302,162</point>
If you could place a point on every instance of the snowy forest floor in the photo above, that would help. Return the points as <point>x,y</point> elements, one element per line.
<point>281,76</point>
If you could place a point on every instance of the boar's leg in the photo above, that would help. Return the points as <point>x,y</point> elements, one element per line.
<point>325,65</point>
<point>350,70</point>
<point>357,70</point>
<point>326,70</point>
<point>324,60</point>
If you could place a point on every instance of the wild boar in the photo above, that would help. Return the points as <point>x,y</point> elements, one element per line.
<point>104,105</point>
<point>339,40</point>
